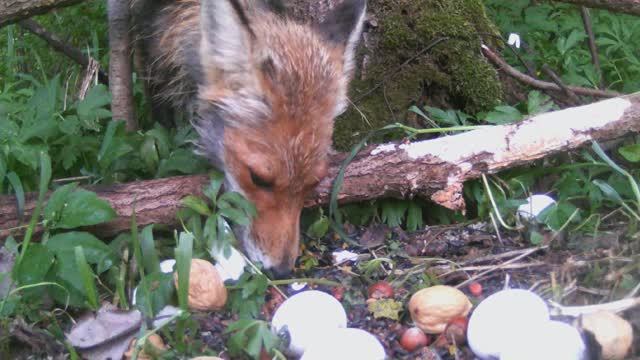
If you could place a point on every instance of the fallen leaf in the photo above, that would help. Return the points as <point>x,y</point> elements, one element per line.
<point>106,325</point>
<point>385,308</point>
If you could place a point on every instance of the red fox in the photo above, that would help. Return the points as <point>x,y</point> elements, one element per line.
<point>263,90</point>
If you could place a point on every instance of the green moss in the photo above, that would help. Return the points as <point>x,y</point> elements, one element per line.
<point>451,74</point>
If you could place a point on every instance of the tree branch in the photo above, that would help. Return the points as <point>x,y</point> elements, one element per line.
<point>15,10</point>
<point>434,169</point>
<point>59,45</point>
<point>625,6</point>
<point>539,84</point>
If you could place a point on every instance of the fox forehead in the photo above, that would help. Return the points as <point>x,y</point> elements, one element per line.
<point>294,72</point>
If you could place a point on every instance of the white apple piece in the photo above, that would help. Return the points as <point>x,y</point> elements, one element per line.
<point>503,317</point>
<point>308,316</point>
<point>230,268</point>
<point>545,340</point>
<point>346,344</point>
<point>534,206</point>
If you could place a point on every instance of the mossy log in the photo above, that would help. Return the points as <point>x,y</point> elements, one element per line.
<point>399,65</point>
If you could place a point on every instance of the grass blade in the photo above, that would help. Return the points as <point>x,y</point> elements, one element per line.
<point>150,258</point>
<point>16,184</point>
<point>183,254</point>
<point>88,278</point>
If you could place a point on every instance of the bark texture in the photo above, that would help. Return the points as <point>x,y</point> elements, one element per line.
<point>15,10</point>
<point>434,169</point>
<point>120,82</point>
<point>625,6</point>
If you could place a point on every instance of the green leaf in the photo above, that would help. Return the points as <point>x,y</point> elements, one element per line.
<point>84,208</point>
<point>181,161</point>
<point>88,279</point>
<point>236,199</point>
<point>113,145</point>
<point>503,115</point>
<point>90,109</point>
<point>150,258</point>
<point>536,238</point>
<point>216,179</point>
<point>34,266</point>
<point>234,215</point>
<point>319,228</point>
<point>385,308</point>
<point>630,152</point>
<point>183,255</point>
<point>161,288</point>
<point>56,202</point>
<point>608,191</point>
<point>94,250</point>
<point>196,204</point>
<point>15,182</point>
<point>538,102</point>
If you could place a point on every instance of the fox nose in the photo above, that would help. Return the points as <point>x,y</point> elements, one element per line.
<point>281,271</point>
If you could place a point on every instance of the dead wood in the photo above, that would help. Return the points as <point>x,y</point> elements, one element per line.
<point>15,10</point>
<point>625,6</point>
<point>61,46</point>
<point>432,169</point>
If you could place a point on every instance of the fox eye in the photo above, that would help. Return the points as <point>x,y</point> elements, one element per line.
<point>260,181</point>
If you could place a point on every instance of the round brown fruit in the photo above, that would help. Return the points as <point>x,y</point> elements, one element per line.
<point>413,339</point>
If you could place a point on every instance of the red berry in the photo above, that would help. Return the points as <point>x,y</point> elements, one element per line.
<point>380,290</point>
<point>413,339</point>
<point>475,288</point>
<point>338,292</point>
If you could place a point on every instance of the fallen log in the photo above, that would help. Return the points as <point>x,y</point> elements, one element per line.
<point>432,169</point>
<point>15,10</point>
<point>624,6</point>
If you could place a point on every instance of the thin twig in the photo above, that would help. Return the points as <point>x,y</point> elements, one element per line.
<point>539,84</point>
<point>501,266</point>
<point>573,99</point>
<point>591,40</point>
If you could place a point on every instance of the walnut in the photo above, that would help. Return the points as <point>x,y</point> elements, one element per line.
<point>206,288</point>
<point>154,343</point>
<point>434,307</point>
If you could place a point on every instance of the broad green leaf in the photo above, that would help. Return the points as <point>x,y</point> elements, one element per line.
<point>56,203</point>
<point>88,280</point>
<point>95,251</point>
<point>181,161</point>
<point>84,208</point>
<point>503,115</point>
<point>196,204</point>
<point>630,152</point>
<point>149,153</point>
<point>34,266</point>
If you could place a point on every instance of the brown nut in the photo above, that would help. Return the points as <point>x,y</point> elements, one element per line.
<point>434,307</point>
<point>612,332</point>
<point>206,288</point>
<point>154,345</point>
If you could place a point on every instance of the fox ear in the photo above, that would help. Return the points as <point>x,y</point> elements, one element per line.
<point>343,26</point>
<point>225,46</point>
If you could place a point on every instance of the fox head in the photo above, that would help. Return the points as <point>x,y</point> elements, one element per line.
<point>269,91</point>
